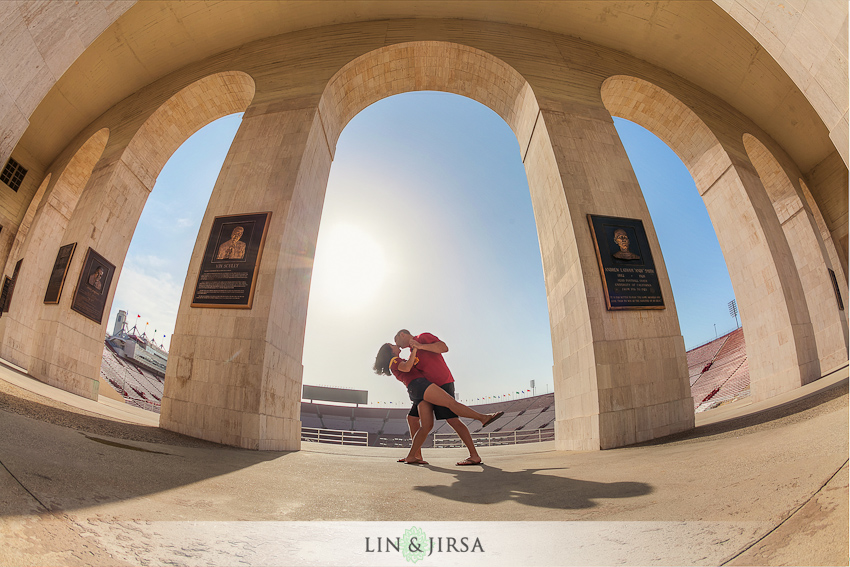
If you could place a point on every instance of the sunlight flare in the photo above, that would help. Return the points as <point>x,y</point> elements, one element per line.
<point>350,268</point>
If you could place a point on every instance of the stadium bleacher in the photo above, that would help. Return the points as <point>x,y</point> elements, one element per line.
<point>718,373</point>
<point>726,378</point>
<point>136,385</point>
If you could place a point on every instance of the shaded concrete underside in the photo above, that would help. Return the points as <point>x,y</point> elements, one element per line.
<point>781,472</point>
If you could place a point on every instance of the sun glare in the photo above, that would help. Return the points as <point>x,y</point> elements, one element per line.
<point>350,268</point>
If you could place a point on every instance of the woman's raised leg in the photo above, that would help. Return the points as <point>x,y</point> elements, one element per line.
<point>440,397</point>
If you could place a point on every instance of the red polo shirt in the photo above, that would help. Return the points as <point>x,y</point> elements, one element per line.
<point>431,364</point>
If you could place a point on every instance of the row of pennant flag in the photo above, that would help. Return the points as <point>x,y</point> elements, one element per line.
<point>482,399</point>
<point>138,321</point>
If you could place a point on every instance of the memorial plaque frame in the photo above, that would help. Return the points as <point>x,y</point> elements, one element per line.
<point>4,295</point>
<point>836,289</point>
<point>230,265</point>
<point>59,273</point>
<point>92,290</point>
<point>9,290</point>
<point>629,278</point>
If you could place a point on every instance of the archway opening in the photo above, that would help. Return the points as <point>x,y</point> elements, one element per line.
<point>428,225</point>
<point>718,371</point>
<point>695,263</point>
<point>148,291</point>
<point>755,248</point>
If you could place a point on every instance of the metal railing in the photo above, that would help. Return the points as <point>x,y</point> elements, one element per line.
<point>490,439</point>
<point>334,436</point>
<point>143,404</point>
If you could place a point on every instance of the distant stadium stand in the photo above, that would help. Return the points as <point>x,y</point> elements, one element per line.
<point>718,373</point>
<point>136,385</point>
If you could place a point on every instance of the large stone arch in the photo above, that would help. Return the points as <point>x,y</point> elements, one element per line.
<point>26,223</point>
<point>810,255</point>
<point>238,374</point>
<point>235,376</point>
<point>37,242</point>
<point>770,295</point>
<point>67,347</point>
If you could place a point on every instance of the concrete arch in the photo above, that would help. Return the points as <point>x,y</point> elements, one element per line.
<point>26,223</point>
<point>836,258</point>
<point>429,65</point>
<point>768,289</point>
<point>810,255</point>
<point>183,114</point>
<point>679,127</point>
<point>37,241</point>
<point>234,376</point>
<point>68,346</point>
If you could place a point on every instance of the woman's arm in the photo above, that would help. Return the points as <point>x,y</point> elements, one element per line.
<point>406,365</point>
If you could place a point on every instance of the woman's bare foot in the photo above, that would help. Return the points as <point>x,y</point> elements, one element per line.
<point>405,459</point>
<point>491,418</point>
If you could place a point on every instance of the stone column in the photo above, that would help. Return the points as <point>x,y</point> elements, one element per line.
<point>234,375</point>
<point>780,340</point>
<point>829,324</point>
<point>810,254</point>
<point>69,346</point>
<point>37,242</point>
<point>620,376</point>
<point>17,327</point>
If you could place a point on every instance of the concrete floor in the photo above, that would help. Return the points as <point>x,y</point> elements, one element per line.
<point>752,484</point>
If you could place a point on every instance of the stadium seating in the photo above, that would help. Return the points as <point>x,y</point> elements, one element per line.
<point>718,373</point>
<point>136,385</point>
<point>727,378</point>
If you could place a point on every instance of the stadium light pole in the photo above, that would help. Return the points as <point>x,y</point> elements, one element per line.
<point>733,311</point>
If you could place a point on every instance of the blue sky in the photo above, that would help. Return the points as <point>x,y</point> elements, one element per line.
<point>427,225</point>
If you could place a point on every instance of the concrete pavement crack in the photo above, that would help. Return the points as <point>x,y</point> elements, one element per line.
<point>791,515</point>
<point>24,487</point>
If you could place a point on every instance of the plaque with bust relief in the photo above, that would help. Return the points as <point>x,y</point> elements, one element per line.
<point>628,272</point>
<point>93,286</point>
<point>229,268</point>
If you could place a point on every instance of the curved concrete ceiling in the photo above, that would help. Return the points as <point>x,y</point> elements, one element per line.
<point>696,40</point>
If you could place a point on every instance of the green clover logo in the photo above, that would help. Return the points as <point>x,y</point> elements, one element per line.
<point>415,545</point>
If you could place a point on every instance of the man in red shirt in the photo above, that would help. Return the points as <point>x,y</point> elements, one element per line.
<point>432,365</point>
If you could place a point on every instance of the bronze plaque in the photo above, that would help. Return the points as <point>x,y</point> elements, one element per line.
<point>625,263</point>
<point>4,296</point>
<point>231,261</point>
<point>9,287</point>
<point>57,275</point>
<point>93,286</point>
<point>836,289</point>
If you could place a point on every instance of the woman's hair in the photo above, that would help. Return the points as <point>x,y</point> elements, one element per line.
<point>382,361</point>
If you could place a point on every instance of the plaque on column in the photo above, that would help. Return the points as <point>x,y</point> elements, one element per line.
<point>93,286</point>
<point>628,272</point>
<point>836,289</point>
<point>4,295</point>
<point>9,287</point>
<point>57,275</point>
<point>231,262</point>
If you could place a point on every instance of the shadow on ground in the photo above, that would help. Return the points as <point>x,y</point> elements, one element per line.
<point>529,488</point>
<point>785,414</point>
<point>56,459</point>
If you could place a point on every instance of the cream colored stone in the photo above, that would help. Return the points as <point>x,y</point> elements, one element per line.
<point>620,376</point>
